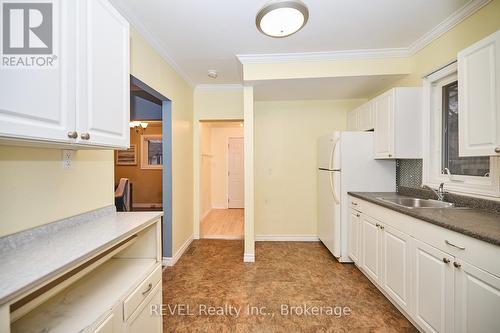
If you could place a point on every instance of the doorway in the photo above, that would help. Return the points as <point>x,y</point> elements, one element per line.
<point>143,173</point>
<point>221,180</point>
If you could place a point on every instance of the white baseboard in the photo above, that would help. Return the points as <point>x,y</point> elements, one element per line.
<point>249,258</point>
<point>147,205</point>
<point>170,261</point>
<point>223,237</point>
<point>286,238</point>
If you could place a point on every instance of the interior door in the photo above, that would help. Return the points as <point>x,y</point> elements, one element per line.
<point>103,111</point>
<point>39,103</point>
<point>236,182</point>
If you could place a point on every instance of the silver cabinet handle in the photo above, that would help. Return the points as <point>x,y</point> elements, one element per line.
<point>354,203</point>
<point>357,215</point>
<point>72,134</point>
<point>150,285</point>
<point>382,227</point>
<point>456,264</point>
<point>497,150</point>
<point>85,136</point>
<point>446,260</point>
<point>457,246</point>
<point>377,225</point>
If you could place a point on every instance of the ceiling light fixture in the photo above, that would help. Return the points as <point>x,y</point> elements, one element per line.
<point>282,18</point>
<point>212,73</point>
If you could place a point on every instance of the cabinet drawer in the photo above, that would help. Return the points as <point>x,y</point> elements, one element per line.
<point>355,203</point>
<point>141,292</point>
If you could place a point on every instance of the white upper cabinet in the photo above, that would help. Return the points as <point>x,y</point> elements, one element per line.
<point>398,119</point>
<point>479,98</point>
<point>83,99</point>
<point>362,118</point>
<point>38,103</point>
<point>352,120</point>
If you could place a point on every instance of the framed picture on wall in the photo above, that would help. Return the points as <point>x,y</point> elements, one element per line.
<point>127,157</point>
<point>151,151</point>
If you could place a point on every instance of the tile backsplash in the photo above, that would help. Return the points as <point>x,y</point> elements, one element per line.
<point>409,173</point>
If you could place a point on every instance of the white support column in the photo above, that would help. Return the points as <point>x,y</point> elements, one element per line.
<point>249,253</point>
<point>196,178</point>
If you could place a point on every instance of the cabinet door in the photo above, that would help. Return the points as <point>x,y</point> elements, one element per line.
<point>106,326</point>
<point>39,103</point>
<point>433,288</point>
<point>396,266</point>
<point>477,300</point>
<point>370,250</point>
<point>144,319</point>
<point>479,98</point>
<point>354,235</point>
<point>103,109</point>
<point>384,125</point>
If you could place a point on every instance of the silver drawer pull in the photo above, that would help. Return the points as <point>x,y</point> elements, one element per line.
<point>354,203</point>
<point>150,285</point>
<point>457,246</point>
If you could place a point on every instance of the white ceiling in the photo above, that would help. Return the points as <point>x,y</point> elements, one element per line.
<point>322,88</point>
<point>198,35</point>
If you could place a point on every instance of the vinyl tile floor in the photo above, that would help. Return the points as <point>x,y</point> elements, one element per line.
<point>210,289</point>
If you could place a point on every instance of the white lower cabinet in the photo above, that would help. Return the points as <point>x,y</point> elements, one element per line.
<point>477,299</point>
<point>354,235</point>
<point>396,266</point>
<point>144,319</point>
<point>370,253</point>
<point>442,288</point>
<point>106,326</point>
<point>433,288</point>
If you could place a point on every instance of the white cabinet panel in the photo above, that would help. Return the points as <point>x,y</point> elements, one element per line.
<point>396,266</point>
<point>384,125</point>
<point>477,300</point>
<point>479,98</point>
<point>103,110</point>
<point>106,326</point>
<point>433,288</point>
<point>352,120</point>
<point>370,258</point>
<point>354,235</point>
<point>144,319</point>
<point>39,104</point>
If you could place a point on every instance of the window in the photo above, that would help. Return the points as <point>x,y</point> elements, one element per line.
<point>151,152</point>
<point>442,163</point>
<point>452,163</point>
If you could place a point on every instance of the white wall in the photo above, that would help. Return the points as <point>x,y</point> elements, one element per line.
<point>220,137</point>
<point>285,162</point>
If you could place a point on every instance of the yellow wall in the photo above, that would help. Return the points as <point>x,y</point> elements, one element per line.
<point>35,189</point>
<point>205,159</point>
<point>285,162</point>
<point>146,183</point>
<point>149,67</point>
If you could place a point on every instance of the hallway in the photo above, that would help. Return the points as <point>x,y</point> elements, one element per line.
<point>212,273</point>
<point>223,224</point>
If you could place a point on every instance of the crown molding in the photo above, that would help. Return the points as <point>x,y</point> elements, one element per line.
<point>218,87</point>
<point>322,56</point>
<point>449,23</point>
<point>149,37</point>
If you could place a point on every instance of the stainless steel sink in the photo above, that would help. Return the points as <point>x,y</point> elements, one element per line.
<point>418,203</point>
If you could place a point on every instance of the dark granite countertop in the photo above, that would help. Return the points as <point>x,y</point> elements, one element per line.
<point>475,223</point>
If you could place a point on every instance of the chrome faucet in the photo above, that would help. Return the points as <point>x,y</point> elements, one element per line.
<point>439,192</point>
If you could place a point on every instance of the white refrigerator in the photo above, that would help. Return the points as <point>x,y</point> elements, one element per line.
<point>346,163</point>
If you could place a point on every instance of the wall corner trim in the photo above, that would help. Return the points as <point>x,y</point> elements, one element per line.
<point>248,257</point>
<point>171,261</point>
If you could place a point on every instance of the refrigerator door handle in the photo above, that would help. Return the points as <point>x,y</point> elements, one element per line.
<point>332,188</point>
<point>332,156</point>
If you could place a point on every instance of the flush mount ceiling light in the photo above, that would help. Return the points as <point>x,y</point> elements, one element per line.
<point>282,18</point>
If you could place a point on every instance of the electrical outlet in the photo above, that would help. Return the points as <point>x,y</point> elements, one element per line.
<point>67,158</point>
